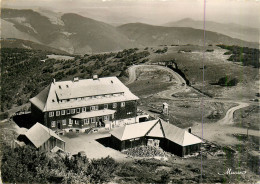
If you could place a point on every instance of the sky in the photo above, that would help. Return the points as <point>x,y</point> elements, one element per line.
<point>157,12</point>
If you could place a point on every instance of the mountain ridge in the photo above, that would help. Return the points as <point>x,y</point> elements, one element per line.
<point>233,30</point>
<point>77,34</point>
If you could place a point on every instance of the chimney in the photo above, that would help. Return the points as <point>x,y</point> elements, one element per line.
<point>189,130</point>
<point>53,80</point>
<point>95,77</point>
<point>75,79</point>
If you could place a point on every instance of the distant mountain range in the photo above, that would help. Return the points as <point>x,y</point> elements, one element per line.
<point>76,34</point>
<point>69,32</point>
<point>145,34</point>
<point>233,30</point>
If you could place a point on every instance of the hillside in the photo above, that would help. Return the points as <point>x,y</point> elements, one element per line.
<point>148,35</point>
<point>26,64</point>
<point>69,32</point>
<point>25,44</point>
<point>233,30</point>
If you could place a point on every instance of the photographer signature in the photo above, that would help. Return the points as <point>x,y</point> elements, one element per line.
<point>230,172</point>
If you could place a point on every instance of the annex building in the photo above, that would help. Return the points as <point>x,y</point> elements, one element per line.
<point>155,133</point>
<point>78,105</point>
<point>42,138</point>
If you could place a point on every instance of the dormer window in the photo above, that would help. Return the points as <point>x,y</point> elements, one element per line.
<point>60,87</point>
<point>53,100</point>
<point>114,105</point>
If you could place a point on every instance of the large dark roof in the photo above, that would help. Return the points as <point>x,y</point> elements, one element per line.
<point>80,92</point>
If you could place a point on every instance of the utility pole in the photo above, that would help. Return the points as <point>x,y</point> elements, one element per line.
<point>248,124</point>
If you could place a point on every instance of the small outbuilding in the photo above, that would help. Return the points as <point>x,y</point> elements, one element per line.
<point>156,133</point>
<point>42,138</point>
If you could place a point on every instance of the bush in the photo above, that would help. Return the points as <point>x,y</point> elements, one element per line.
<point>28,165</point>
<point>233,82</point>
<point>224,81</point>
<point>4,115</point>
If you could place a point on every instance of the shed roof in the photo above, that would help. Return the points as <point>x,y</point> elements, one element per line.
<point>156,128</point>
<point>39,134</point>
<point>133,130</point>
<point>91,114</point>
<point>50,98</point>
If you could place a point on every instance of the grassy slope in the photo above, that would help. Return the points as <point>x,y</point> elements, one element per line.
<point>216,66</point>
<point>25,44</point>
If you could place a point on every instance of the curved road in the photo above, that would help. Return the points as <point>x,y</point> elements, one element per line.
<point>164,94</point>
<point>228,119</point>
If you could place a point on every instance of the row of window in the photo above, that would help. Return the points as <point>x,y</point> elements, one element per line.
<point>83,109</point>
<point>86,121</point>
<point>91,97</point>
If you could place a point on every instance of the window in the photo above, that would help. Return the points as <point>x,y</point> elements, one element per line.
<point>63,112</point>
<point>92,120</point>
<point>105,106</point>
<point>72,111</point>
<point>51,114</point>
<point>105,118</point>
<point>57,113</point>
<point>93,108</point>
<point>53,123</point>
<point>122,104</point>
<point>78,110</point>
<point>114,105</point>
<point>83,109</point>
<point>68,111</point>
<point>86,121</point>
<point>70,122</point>
<point>76,122</point>
<point>64,122</point>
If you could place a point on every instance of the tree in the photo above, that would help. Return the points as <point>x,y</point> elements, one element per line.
<point>223,81</point>
<point>233,82</point>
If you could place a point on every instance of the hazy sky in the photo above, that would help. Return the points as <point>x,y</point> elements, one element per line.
<point>245,12</point>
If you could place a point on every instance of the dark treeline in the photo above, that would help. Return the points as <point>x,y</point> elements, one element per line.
<point>245,55</point>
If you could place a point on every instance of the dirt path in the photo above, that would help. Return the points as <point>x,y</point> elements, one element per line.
<point>228,119</point>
